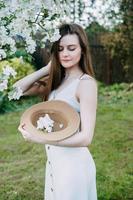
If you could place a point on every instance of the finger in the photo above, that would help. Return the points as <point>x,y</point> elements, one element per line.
<point>20,129</point>
<point>23,126</point>
<point>24,134</point>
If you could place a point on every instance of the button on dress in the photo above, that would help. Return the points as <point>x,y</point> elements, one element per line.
<point>70,172</point>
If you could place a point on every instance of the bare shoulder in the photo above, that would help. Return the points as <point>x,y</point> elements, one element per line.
<point>87,85</point>
<point>87,81</point>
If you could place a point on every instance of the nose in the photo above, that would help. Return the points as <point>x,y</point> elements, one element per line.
<point>65,52</point>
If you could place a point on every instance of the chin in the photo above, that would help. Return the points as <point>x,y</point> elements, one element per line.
<point>67,65</point>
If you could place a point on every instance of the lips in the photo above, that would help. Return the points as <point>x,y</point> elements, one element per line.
<point>66,60</point>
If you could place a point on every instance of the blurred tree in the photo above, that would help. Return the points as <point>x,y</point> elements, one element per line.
<point>100,57</point>
<point>119,41</point>
<point>95,29</point>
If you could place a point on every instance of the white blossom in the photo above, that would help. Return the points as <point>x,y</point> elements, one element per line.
<point>56,36</point>
<point>3,85</point>
<point>61,125</point>
<point>31,47</point>
<point>9,71</point>
<point>15,93</point>
<point>2,54</point>
<point>45,123</point>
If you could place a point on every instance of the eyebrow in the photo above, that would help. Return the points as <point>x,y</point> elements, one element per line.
<point>68,45</point>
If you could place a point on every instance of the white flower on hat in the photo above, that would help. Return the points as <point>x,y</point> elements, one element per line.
<point>45,123</point>
<point>61,125</point>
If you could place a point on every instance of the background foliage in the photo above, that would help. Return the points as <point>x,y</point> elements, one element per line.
<point>22,68</point>
<point>119,41</point>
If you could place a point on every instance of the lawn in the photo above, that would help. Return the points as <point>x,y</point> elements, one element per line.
<point>22,164</point>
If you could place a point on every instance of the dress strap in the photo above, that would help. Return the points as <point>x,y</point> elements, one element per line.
<point>81,76</point>
<point>85,77</point>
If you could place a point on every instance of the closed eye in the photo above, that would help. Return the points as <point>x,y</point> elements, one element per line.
<point>69,47</point>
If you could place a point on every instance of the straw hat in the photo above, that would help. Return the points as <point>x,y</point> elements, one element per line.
<point>59,111</point>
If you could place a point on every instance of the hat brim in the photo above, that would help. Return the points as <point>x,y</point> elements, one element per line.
<point>60,111</point>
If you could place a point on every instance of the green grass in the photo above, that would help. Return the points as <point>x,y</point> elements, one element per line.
<point>112,152</point>
<point>22,164</point>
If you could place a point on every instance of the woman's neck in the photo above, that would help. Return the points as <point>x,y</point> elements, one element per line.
<point>73,73</point>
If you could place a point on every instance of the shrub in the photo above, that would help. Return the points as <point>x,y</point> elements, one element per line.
<point>22,68</point>
<point>116,93</point>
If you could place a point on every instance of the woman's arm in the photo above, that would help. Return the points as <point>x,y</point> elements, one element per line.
<point>29,80</point>
<point>87,95</point>
<point>37,88</point>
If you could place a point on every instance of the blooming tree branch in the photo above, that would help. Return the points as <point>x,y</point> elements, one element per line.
<point>25,19</point>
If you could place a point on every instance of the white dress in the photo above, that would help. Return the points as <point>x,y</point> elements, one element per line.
<point>70,172</point>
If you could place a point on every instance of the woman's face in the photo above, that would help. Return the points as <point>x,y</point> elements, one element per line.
<point>69,51</point>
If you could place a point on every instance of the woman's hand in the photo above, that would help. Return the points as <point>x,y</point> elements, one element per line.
<point>27,82</point>
<point>26,135</point>
<point>31,137</point>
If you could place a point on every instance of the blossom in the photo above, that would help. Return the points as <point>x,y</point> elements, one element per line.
<point>3,85</point>
<point>45,123</point>
<point>61,125</point>
<point>15,93</point>
<point>56,36</point>
<point>31,45</point>
<point>2,54</point>
<point>9,71</point>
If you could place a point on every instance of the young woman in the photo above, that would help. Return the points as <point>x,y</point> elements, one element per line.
<point>70,169</point>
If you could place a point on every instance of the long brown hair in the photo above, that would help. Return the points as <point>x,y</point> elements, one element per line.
<point>57,72</point>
